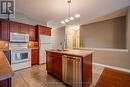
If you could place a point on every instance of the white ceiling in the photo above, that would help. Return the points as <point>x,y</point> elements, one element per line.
<point>53,11</point>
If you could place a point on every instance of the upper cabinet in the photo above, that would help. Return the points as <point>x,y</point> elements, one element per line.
<point>32,33</point>
<point>4,30</point>
<point>18,27</point>
<point>14,27</point>
<point>10,26</point>
<point>44,30</point>
<point>24,28</point>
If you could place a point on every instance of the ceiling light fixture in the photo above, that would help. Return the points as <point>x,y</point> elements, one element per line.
<point>62,22</point>
<point>77,15</point>
<point>77,27</point>
<point>69,18</point>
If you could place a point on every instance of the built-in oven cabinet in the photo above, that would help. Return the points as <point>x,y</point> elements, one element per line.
<point>4,30</point>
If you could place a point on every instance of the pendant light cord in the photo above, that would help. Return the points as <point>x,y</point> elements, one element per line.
<point>69,4</point>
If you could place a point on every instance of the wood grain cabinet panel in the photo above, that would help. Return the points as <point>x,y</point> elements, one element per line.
<point>10,26</point>
<point>49,63</point>
<point>54,64</point>
<point>15,27</point>
<point>44,30</point>
<point>32,33</point>
<point>5,83</point>
<point>48,31</point>
<point>19,27</point>
<point>58,67</point>
<point>4,30</point>
<point>35,56</point>
<point>24,28</point>
<point>87,71</point>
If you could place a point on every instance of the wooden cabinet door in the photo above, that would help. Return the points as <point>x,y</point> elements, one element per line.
<point>32,33</point>
<point>54,64</point>
<point>48,31</point>
<point>14,27</point>
<point>58,65</point>
<point>44,30</point>
<point>35,56</point>
<point>4,30</point>
<point>24,28</point>
<point>5,83</point>
<point>49,63</point>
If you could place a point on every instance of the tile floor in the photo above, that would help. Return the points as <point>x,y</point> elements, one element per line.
<point>37,76</point>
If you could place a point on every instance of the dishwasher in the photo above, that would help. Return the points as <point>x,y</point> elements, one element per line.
<point>72,70</point>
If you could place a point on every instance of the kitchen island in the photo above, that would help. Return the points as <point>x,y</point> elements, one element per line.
<point>5,71</point>
<point>81,72</point>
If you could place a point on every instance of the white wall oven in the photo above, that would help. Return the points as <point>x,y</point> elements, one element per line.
<point>20,56</point>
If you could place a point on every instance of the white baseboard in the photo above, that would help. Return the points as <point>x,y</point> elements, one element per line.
<point>112,67</point>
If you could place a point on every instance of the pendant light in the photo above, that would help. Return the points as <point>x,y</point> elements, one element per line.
<point>69,17</point>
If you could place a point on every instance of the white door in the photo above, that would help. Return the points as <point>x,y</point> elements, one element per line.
<point>42,52</point>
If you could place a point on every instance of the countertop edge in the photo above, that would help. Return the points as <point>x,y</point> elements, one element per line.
<point>8,72</point>
<point>73,54</point>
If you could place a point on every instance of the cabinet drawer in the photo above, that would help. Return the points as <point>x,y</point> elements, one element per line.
<point>55,55</point>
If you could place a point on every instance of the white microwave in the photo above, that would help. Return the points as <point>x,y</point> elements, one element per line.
<point>18,37</point>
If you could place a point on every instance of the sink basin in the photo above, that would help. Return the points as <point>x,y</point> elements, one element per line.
<point>60,50</point>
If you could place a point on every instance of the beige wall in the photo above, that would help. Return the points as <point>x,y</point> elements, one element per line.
<point>105,34</point>
<point>72,37</point>
<point>128,29</point>
<point>115,57</point>
<point>58,36</point>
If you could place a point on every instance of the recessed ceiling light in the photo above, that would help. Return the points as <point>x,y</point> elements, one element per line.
<point>77,15</point>
<point>66,20</point>
<point>62,22</point>
<point>77,27</point>
<point>71,18</point>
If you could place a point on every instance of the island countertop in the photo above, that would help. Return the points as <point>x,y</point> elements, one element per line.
<point>5,68</point>
<point>80,53</point>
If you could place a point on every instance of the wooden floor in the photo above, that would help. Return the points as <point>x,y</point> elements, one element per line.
<point>113,78</point>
